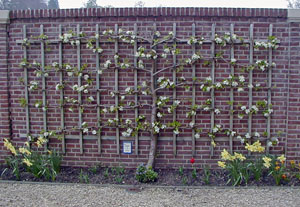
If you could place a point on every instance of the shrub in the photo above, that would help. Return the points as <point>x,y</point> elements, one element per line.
<point>144,174</point>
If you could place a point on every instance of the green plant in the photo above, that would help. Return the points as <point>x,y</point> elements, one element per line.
<point>180,171</point>
<point>194,173</point>
<point>15,163</point>
<point>119,179</point>
<point>207,175</point>
<point>118,170</point>
<point>94,169</point>
<point>144,174</point>
<point>256,168</point>
<point>184,180</point>
<point>238,170</point>
<point>106,173</point>
<point>278,169</point>
<point>83,177</point>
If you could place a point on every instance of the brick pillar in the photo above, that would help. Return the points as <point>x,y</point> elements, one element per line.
<point>4,94</point>
<point>293,125</point>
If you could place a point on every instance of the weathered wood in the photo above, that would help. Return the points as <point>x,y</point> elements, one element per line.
<point>43,83</point>
<point>250,83</point>
<point>98,90</point>
<point>231,91</point>
<point>269,89</point>
<point>193,91</point>
<point>212,93</point>
<point>79,94</point>
<point>136,110</point>
<point>61,81</point>
<point>117,92</point>
<point>174,89</point>
<point>26,89</point>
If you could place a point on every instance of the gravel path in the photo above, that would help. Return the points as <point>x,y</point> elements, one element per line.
<point>18,194</point>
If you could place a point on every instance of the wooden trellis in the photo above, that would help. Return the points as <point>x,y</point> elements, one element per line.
<point>174,41</point>
<point>212,75</point>
<point>231,91</point>
<point>61,81</point>
<point>98,90</point>
<point>26,88</point>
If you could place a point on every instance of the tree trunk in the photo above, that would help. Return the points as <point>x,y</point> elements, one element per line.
<point>153,135</point>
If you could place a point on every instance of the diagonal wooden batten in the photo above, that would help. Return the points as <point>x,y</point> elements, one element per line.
<point>193,91</point>
<point>26,88</point>
<point>61,81</point>
<point>98,90</point>
<point>174,89</point>
<point>212,93</point>
<point>136,110</point>
<point>231,90</point>
<point>269,89</point>
<point>117,91</point>
<point>43,83</point>
<point>79,93</point>
<point>250,84</point>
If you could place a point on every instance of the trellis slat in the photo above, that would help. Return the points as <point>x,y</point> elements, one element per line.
<point>117,91</point>
<point>26,88</point>
<point>98,91</point>
<point>193,91</point>
<point>269,89</point>
<point>212,93</point>
<point>43,83</point>
<point>79,94</point>
<point>250,83</point>
<point>136,110</point>
<point>231,91</point>
<point>174,89</point>
<point>61,81</point>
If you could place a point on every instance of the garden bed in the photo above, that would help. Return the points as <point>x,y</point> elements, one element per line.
<point>119,175</point>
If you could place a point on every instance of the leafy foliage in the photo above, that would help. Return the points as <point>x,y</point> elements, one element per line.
<point>145,175</point>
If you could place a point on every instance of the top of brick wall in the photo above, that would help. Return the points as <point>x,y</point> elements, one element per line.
<point>160,11</point>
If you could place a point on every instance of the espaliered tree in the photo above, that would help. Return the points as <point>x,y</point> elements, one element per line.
<point>156,84</point>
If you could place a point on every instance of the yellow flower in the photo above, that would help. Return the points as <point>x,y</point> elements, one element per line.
<point>277,168</point>
<point>281,158</point>
<point>40,141</point>
<point>221,164</point>
<point>267,161</point>
<point>226,156</point>
<point>24,151</point>
<point>213,143</point>
<point>49,152</point>
<point>239,156</point>
<point>27,162</point>
<point>255,147</point>
<point>10,147</point>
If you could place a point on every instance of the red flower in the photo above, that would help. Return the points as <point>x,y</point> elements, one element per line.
<point>192,160</point>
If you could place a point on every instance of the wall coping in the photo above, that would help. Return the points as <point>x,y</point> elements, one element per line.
<point>150,11</point>
<point>4,16</point>
<point>294,15</point>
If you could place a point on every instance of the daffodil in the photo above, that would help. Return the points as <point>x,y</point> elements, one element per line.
<point>27,162</point>
<point>10,147</point>
<point>281,158</point>
<point>226,156</point>
<point>221,164</point>
<point>239,156</point>
<point>267,161</point>
<point>24,151</point>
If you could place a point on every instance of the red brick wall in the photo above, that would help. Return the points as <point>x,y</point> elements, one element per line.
<point>285,94</point>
